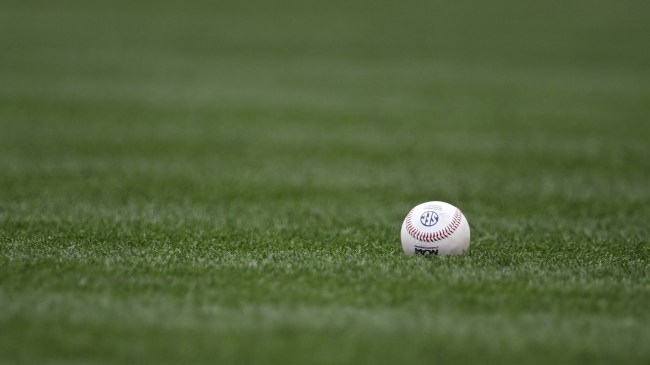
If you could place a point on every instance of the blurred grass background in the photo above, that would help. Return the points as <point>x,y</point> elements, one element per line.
<point>225,181</point>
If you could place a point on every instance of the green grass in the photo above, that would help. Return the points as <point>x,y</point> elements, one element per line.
<point>225,183</point>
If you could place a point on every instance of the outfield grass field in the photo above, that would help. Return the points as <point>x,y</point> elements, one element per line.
<point>224,182</point>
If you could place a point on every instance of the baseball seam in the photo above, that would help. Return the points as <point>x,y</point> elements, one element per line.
<point>437,235</point>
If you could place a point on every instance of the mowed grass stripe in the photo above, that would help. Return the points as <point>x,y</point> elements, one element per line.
<point>225,182</point>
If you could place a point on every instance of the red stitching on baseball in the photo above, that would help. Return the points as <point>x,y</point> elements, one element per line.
<point>434,236</point>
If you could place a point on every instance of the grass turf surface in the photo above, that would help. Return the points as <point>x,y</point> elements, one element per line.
<point>199,183</point>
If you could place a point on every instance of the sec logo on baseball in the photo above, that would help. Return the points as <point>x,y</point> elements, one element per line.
<point>435,228</point>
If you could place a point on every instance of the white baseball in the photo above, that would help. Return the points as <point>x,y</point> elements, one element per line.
<point>435,228</point>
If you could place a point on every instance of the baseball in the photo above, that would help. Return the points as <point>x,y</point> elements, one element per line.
<point>435,228</point>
